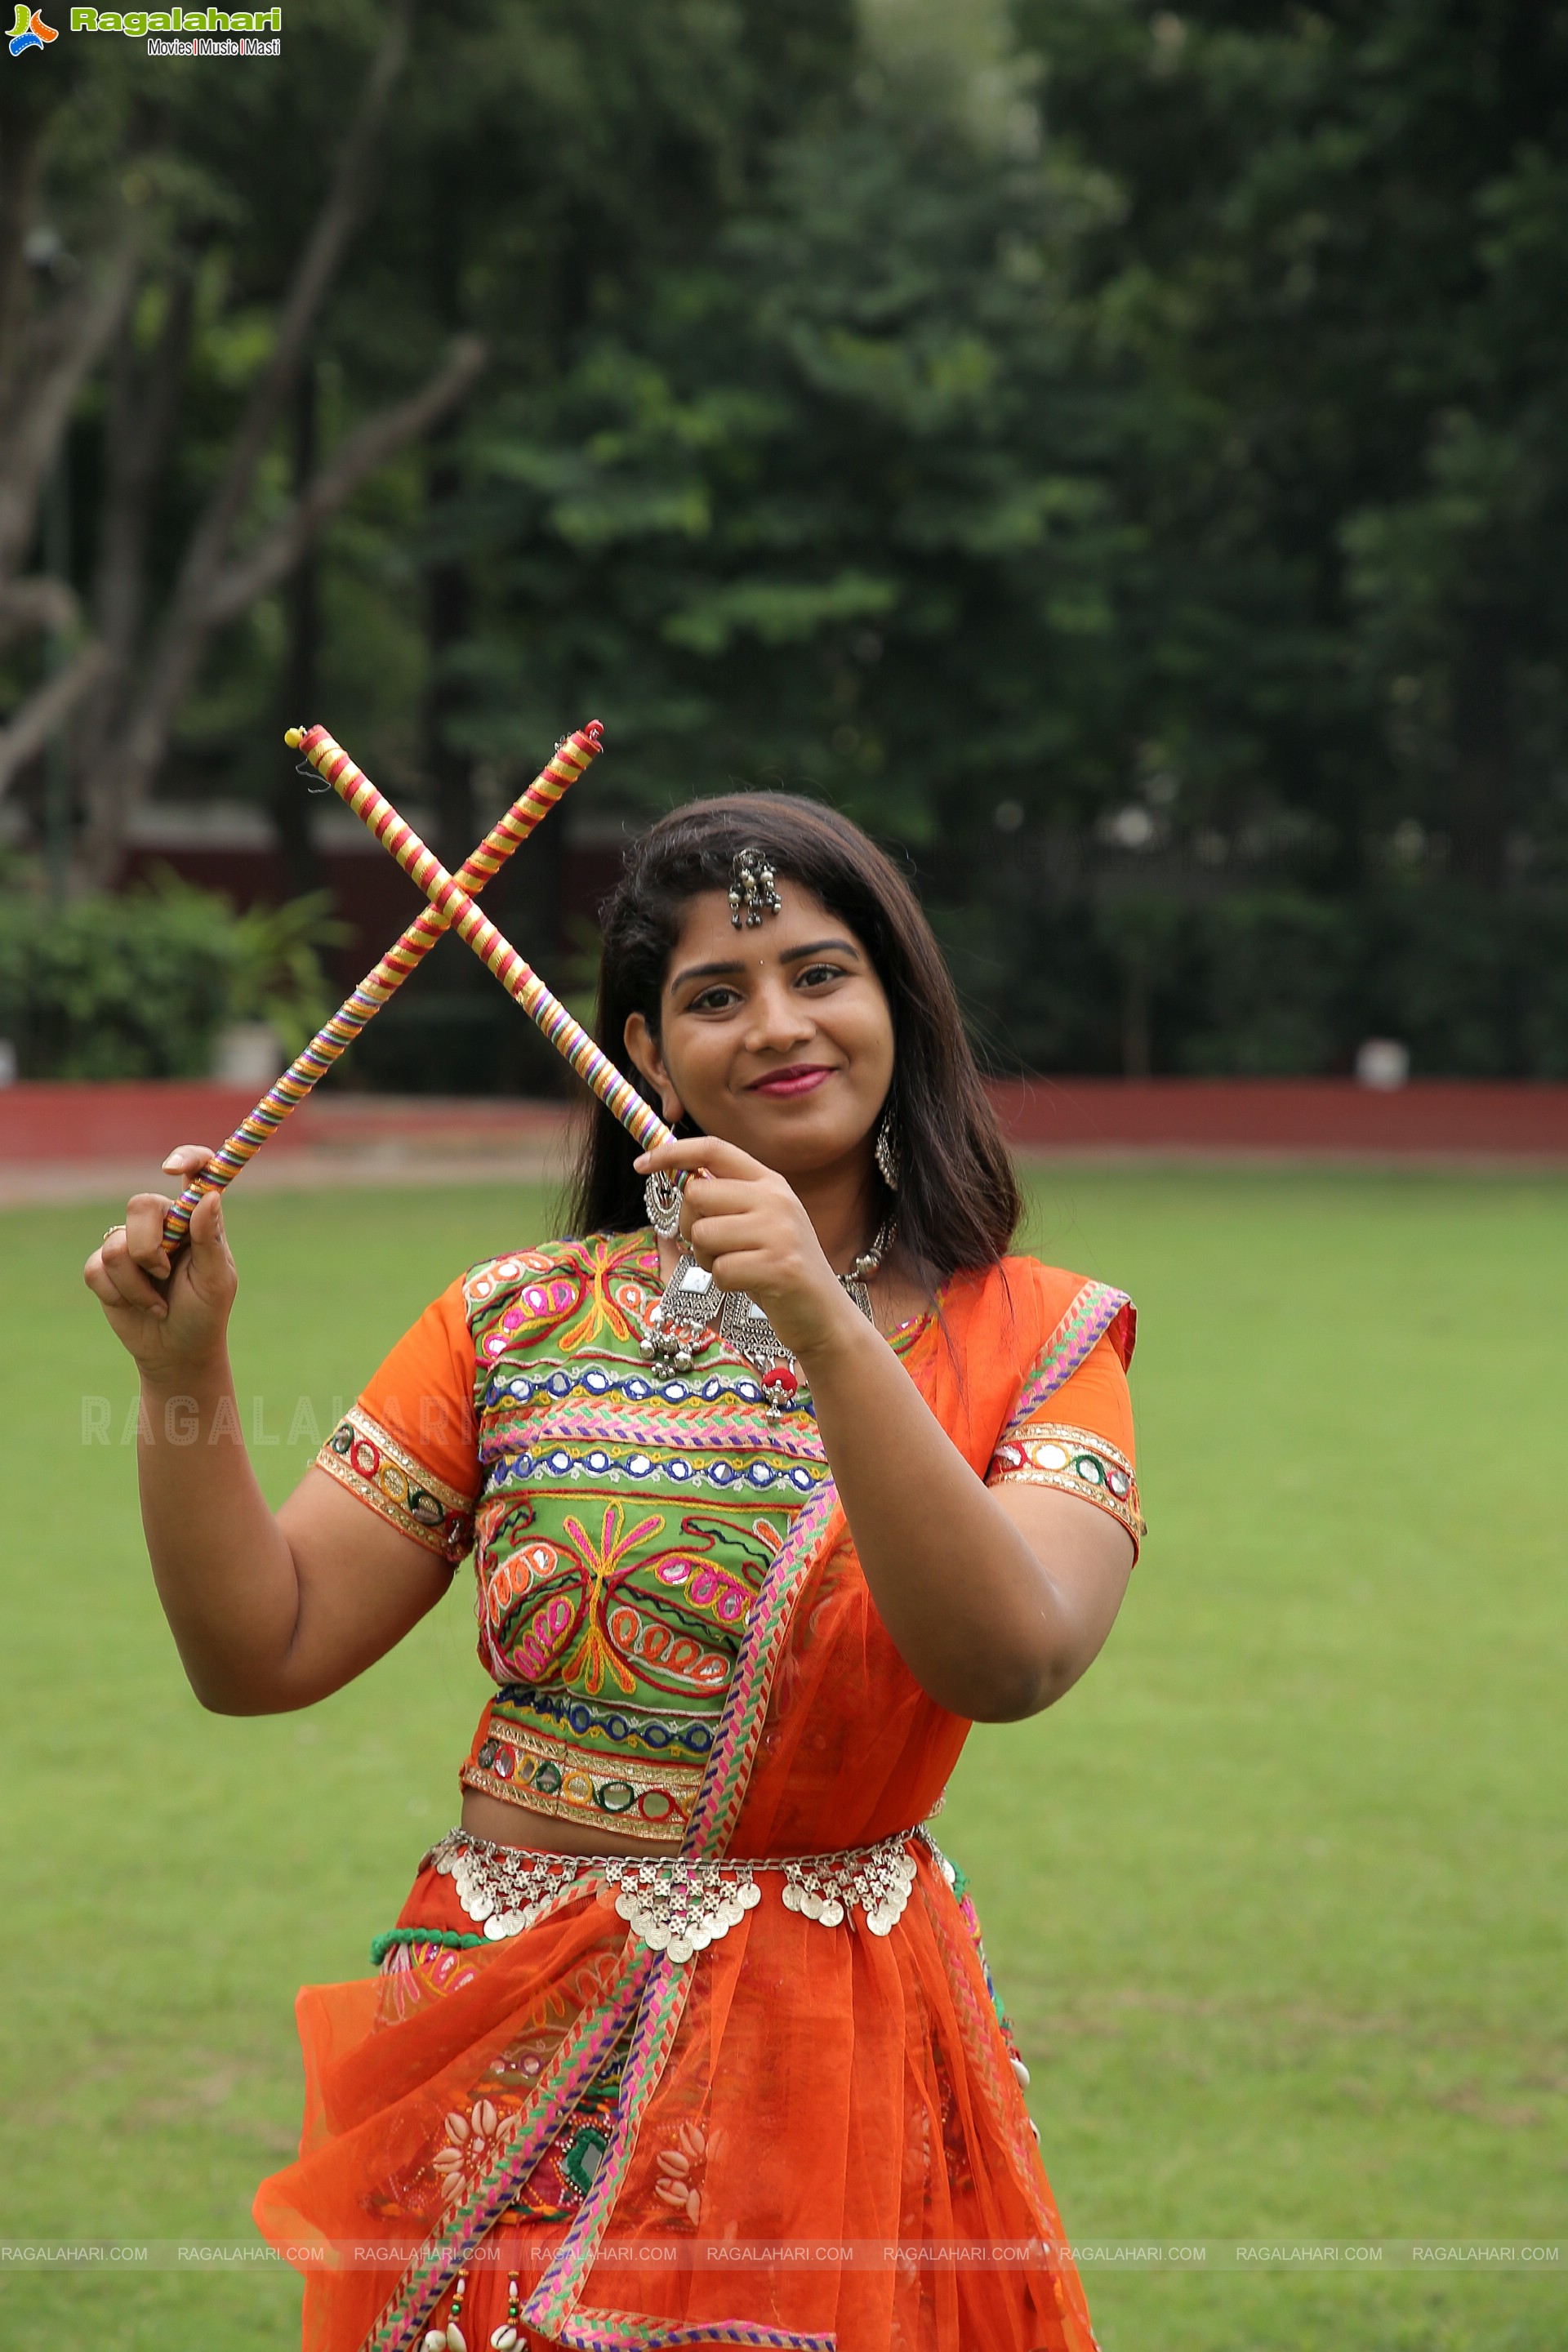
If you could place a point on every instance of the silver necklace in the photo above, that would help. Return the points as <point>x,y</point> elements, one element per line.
<point>693,1311</point>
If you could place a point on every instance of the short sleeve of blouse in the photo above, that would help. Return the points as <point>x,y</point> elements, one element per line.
<point>1071,1423</point>
<point>409,1447</point>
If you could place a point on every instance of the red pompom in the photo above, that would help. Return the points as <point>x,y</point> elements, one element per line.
<point>780,1377</point>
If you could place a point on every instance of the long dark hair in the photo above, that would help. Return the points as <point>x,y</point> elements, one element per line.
<point>958,1201</point>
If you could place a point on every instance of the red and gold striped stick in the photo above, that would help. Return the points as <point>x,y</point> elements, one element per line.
<point>568,1037</point>
<point>576,753</point>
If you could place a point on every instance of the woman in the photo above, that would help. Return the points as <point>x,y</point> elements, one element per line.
<point>775,1480</point>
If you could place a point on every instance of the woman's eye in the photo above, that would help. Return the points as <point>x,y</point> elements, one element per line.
<point>714,1000</point>
<point>815,974</point>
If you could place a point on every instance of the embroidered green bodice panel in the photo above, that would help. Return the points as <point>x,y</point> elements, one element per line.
<point>628,1517</point>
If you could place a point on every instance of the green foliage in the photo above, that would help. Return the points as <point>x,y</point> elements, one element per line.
<point>1272,976</point>
<point>1332,290</point>
<point>1268,981</point>
<point>276,975</point>
<point>138,986</point>
<point>829,494</point>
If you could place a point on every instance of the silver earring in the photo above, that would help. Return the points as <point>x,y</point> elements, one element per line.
<point>885,1151</point>
<point>661,1198</point>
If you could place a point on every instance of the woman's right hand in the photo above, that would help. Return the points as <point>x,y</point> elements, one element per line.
<point>172,1317</point>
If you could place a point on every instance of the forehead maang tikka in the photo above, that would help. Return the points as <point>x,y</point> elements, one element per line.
<point>751,890</point>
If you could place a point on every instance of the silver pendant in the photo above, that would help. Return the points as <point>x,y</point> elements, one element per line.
<point>692,1311</point>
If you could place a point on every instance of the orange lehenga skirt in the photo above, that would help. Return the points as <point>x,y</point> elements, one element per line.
<point>812,2136</point>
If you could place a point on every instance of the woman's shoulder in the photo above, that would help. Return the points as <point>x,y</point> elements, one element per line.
<point>1051,1308</point>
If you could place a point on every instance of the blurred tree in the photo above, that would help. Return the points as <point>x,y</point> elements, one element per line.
<point>811,486</point>
<point>1114,451</point>
<point>1334,290</point>
<point>554,160</point>
<point>98,149</point>
<point>823,499</point>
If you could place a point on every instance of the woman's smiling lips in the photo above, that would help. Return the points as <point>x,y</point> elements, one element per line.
<point>800,1078</point>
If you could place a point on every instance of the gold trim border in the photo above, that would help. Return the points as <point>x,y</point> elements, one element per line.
<point>452,1539</point>
<point>1065,1481</point>
<point>678,1782</point>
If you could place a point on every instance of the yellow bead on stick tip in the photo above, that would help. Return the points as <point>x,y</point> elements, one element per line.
<point>293,736</point>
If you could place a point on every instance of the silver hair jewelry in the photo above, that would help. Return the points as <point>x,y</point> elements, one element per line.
<point>751,888</point>
<point>693,1311</point>
<point>885,1151</point>
<point>661,1198</point>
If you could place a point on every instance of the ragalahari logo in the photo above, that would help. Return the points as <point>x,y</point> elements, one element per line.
<point>29,31</point>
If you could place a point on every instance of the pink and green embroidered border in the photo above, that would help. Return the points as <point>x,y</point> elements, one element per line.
<point>550,2307</point>
<point>1080,1332</point>
<point>425,2282</point>
<point>623,2331</point>
<point>553,2308</point>
<point>734,1750</point>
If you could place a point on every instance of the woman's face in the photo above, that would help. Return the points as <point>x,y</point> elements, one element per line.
<point>779,1039</point>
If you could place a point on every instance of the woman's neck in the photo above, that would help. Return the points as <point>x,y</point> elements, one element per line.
<point>844,1205</point>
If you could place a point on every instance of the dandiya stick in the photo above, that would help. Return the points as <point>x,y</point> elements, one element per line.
<point>377,987</point>
<point>449,899</point>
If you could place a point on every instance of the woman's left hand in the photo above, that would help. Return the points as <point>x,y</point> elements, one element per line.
<point>745,1225</point>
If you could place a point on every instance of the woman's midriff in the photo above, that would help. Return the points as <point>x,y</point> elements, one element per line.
<point>501,1823</point>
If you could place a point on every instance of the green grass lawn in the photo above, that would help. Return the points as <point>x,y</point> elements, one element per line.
<point>1276,1897</point>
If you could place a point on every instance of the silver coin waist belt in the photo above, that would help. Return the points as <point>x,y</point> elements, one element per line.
<point>675,1906</point>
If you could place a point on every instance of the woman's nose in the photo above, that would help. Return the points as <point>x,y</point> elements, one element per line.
<point>778,1017</point>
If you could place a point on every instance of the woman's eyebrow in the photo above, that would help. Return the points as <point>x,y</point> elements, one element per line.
<point>705,971</point>
<point>789,955</point>
<point>821,947</point>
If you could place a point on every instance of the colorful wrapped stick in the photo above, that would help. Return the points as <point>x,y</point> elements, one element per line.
<point>448,896</point>
<point>378,986</point>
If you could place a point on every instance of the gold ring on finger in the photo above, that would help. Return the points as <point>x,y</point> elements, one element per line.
<point>109,1230</point>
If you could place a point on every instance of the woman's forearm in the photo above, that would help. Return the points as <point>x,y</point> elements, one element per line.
<point>224,1569</point>
<point>979,1620</point>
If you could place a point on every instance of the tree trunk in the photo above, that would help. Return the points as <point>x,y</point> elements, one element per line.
<point>1481,803</point>
<point>291,800</point>
<point>197,607</point>
<point>447,615</point>
<point>139,429</point>
<point>1137,1060</point>
<point>19,145</point>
